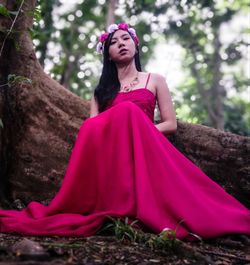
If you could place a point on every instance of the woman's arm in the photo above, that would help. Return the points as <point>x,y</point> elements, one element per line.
<point>93,107</point>
<point>168,123</point>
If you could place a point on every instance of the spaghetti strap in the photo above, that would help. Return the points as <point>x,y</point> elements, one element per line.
<point>147,80</point>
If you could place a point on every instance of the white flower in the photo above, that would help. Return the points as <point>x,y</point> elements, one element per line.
<point>166,229</point>
<point>132,31</point>
<point>112,28</point>
<point>99,47</point>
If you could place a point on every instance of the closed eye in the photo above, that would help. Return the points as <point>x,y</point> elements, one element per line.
<point>113,42</point>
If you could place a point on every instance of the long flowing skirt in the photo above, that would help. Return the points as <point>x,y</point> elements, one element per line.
<point>121,165</point>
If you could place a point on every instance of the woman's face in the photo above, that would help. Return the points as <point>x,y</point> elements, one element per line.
<point>122,47</point>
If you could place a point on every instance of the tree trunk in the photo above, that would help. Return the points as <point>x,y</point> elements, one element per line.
<point>68,70</point>
<point>41,121</point>
<point>217,90</point>
<point>223,156</point>
<point>111,12</point>
<point>47,29</point>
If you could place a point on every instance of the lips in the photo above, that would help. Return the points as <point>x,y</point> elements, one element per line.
<point>122,51</point>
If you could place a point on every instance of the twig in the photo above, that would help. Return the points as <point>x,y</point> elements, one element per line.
<point>62,245</point>
<point>12,25</point>
<point>223,255</point>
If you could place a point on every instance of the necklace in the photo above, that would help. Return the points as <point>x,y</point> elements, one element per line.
<point>128,87</point>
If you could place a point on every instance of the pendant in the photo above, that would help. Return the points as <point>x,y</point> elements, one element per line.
<point>127,88</point>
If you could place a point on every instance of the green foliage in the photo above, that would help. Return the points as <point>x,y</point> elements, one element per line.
<point>123,230</point>
<point>237,116</point>
<point>197,27</point>
<point>194,25</point>
<point>4,11</point>
<point>77,65</point>
<point>17,79</point>
<point>36,14</point>
<point>165,240</point>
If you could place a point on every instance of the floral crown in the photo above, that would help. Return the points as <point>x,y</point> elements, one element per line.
<point>111,29</point>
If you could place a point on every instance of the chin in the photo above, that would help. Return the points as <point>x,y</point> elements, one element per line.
<point>125,59</point>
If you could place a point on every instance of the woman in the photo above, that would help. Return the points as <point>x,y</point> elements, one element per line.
<point>122,73</point>
<point>122,165</point>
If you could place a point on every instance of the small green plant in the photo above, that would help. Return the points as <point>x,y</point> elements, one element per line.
<point>123,229</point>
<point>165,240</point>
<point>5,12</point>
<point>15,79</point>
<point>126,230</point>
<point>1,123</point>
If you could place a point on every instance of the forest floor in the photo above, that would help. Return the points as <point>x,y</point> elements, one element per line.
<point>109,250</point>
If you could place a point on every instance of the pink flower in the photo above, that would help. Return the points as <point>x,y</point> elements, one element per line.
<point>123,26</point>
<point>103,37</point>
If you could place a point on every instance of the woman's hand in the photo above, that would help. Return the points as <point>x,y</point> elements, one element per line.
<point>167,127</point>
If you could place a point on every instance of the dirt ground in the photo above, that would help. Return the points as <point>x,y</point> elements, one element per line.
<point>108,250</point>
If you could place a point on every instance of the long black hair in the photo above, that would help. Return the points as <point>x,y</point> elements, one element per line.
<point>109,84</point>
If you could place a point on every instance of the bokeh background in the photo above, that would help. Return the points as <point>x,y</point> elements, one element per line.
<point>201,47</point>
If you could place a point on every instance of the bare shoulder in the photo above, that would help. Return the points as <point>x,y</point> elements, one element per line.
<point>157,77</point>
<point>159,83</point>
<point>153,76</point>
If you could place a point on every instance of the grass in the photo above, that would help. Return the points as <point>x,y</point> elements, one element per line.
<point>125,230</point>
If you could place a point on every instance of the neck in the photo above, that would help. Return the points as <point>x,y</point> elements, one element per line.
<point>126,71</point>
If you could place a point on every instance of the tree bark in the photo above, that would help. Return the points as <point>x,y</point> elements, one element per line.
<point>223,156</point>
<point>218,92</point>
<point>41,121</point>
<point>111,12</point>
<point>48,27</point>
<point>68,70</point>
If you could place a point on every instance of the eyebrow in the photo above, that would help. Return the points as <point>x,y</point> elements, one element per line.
<point>126,34</point>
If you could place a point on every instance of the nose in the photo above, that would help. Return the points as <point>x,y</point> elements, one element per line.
<point>120,43</point>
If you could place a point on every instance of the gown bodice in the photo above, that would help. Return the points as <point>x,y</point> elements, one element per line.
<point>142,97</point>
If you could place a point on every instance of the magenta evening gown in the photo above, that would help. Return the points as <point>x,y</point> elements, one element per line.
<point>122,166</point>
